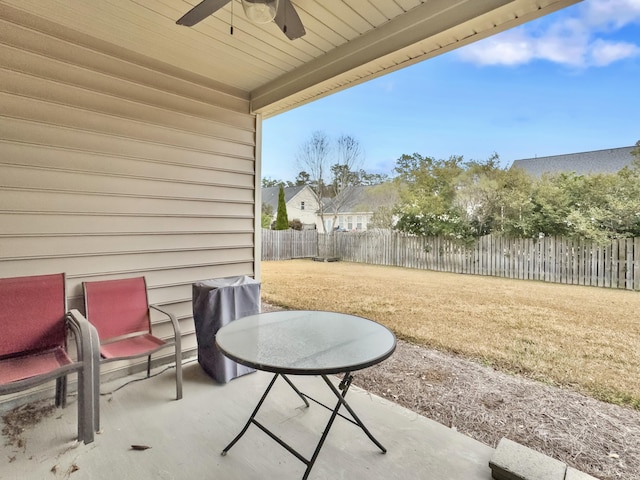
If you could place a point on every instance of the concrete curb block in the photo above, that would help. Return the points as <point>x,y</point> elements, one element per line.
<point>512,461</point>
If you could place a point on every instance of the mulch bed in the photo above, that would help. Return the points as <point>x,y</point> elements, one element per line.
<point>597,438</point>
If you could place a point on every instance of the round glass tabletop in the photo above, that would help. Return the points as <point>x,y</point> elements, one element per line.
<point>303,342</point>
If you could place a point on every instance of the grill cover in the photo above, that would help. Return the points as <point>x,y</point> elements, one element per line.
<point>217,302</point>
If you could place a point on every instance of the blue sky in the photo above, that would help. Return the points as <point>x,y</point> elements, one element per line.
<point>568,82</point>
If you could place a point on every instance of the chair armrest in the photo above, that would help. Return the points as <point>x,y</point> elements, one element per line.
<point>85,334</point>
<point>172,317</point>
<point>178,348</point>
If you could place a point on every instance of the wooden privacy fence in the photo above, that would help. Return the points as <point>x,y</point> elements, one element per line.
<point>288,244</point>
<point>550,259</point>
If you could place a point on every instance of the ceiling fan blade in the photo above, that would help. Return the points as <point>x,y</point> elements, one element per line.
<point>201,11</point>
<point>288,20</point>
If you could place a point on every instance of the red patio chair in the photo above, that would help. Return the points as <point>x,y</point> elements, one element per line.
<point>119,309</point>
<point>33,343</point>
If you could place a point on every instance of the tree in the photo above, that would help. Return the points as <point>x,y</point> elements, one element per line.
<point>369,179</point>
<point>493,198</point>
<point>282,222</point>
<point>382,199</point>
<point>464,200</point>
<point>265,221</point>
<point>477,193</point>
<point>267,215</point>
<point>295,224</point>
<point>598,207</point>
<point>330,170</point>
<point>514,203</point>
<point>344,174</point>
<point>427,205</point>
<point>636,151</point>
<point>314,154</point>
<point>303,178</point>
<point>271,182</point>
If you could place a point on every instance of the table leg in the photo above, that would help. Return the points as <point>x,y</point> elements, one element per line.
<point>250,421</point>
<point>344,386</point>
<point>255,412</point>
<point>300,394</point>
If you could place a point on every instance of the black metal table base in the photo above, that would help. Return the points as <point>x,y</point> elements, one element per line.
<point>340,392</point>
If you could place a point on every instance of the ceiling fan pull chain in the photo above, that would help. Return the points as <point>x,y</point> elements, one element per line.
<point>231,27</point>
<point>284,23</point>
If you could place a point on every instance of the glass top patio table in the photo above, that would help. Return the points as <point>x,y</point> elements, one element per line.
<point>305,342</point>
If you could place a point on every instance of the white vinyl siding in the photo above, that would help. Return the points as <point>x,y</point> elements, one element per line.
<point>303,207</point>
<point>111,169</point>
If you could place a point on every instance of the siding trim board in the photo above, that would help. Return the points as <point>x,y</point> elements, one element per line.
<point>130,176</point>
<point>211,205</point>
<point>72,96</point>
<point>9,146</point>
<point>77,120</point>
<point>51,135</point>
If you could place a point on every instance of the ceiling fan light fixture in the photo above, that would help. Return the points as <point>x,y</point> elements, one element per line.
<point>260,11</point>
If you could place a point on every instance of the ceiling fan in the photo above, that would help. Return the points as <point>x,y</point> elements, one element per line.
<point>282,12</point>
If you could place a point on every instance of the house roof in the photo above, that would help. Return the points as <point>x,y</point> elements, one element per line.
<point>355,200</point>
<point>347,42</point>
<point>610,160</point>
<point>270,195</point>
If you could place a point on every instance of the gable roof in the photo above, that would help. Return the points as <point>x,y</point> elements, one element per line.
<point>270,195</point>
<point>346,43</point>
<point>355,201</point>
<point>610,160</point>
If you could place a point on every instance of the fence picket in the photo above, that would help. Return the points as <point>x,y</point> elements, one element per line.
<point>636,264</point>
<point>551,259</point>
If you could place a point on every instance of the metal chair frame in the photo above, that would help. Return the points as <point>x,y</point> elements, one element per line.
<point>100,359</point>
<point>86,341</point>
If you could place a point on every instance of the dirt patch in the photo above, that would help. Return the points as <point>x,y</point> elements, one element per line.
<point>21,418</point>
<point>597,438</point>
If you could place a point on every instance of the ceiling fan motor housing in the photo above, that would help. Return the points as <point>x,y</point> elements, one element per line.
<point>260,11</point>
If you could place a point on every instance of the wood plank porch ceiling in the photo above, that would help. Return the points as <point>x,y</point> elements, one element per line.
<point>347,41</point>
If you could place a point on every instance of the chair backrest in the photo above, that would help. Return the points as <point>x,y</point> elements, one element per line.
<point>32,313</point>
<point>117,307</point>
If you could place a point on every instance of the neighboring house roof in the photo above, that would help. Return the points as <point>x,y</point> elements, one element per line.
<point>611,160</point>
<point>270,195</point>
<point>355,200</point>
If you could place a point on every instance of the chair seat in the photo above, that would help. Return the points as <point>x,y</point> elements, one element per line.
<point>131,347</point>
<point>37,363</point>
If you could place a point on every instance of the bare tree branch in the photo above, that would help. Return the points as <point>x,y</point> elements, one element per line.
<point>314,156</point>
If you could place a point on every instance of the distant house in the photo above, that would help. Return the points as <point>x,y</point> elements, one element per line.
<point>301,203</point>
<point>352,212</point>
<point>600,161</point>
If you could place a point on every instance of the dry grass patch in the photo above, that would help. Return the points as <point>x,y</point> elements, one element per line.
<point>583,337</point>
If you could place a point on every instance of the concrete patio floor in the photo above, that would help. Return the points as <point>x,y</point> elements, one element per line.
<point>185,437</point>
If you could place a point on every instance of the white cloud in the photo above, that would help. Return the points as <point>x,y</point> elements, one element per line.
<point>603,53</point>
<point>612,13</point>
<point>578,41</point>
<point>510,48</point>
